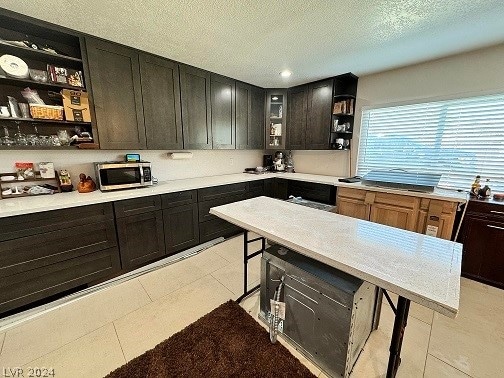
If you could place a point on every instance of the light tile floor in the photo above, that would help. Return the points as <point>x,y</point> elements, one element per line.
<point>94,335</point>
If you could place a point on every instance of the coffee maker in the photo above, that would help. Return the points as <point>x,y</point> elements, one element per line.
<point>268,162</point>
<point>278,162</point>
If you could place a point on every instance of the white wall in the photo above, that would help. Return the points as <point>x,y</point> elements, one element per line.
<point>330,163</point>
<point>473,73</point>
<point>203,163</point>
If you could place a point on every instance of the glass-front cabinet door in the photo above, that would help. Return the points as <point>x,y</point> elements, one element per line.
<point>275,119</point>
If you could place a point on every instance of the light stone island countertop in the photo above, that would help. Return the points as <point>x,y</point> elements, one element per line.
<point>421,268</point>
<point>26,205</point>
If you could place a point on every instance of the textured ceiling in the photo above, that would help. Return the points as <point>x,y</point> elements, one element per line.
<point>254,40</point>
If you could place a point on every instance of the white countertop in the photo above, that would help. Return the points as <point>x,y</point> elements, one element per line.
<point>421,268</point>
<point>25,205</point>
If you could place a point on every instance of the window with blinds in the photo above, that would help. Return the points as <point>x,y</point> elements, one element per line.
<point>458,139</point>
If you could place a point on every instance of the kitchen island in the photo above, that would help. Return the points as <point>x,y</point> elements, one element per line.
<point>416,267</point>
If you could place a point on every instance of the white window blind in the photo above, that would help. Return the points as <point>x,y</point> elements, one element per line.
<point>458,139</point>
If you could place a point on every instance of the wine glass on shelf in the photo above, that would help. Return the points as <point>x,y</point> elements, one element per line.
<point>6,139</point>
<point>19,137</point>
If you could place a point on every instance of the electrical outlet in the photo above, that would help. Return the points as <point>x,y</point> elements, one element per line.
<point>231,161</point>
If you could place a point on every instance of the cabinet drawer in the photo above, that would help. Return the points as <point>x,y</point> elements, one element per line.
<point>179,198</point>
<point>486,209</point>
<point>47,221</point>
<point>358,194</point>
<point>216,228</point>
<point>397,200</point>
<point>23,288</point>
<point>136,206</point>
<point>222,191</point>
<point>204,207</point>
<point>448,207</point>
<point>37,251</point>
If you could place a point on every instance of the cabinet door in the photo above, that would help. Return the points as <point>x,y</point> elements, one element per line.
<point>161,103</point>
<point>297,109</point>
<point>318,125</point>
<point>222,94</point>
<point>352,203</point>
<point>141,238</point>
<point>482,256</point>
<point>395,210</point>
<point>249,117</point>
<point>115,85</point>
<point>445,224</point>
<point>181,229</point>
<point>196,108</point>
<point>352,207</point>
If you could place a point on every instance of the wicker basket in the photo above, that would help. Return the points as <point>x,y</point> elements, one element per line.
<point>46,111</point>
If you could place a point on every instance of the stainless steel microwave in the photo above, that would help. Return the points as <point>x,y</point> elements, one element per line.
<point>123,175</point>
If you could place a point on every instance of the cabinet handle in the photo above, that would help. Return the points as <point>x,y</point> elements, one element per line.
<point>497,227</point>
<point>497,212</point>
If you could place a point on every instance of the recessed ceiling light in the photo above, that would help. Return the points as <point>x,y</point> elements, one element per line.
<point>285,73</point>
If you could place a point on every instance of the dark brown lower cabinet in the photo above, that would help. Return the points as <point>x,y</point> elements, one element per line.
<point>48,253</point>
<point>181,227</point>
<point>216,228</point>
<point>482,235</point>
<point>141,238</point>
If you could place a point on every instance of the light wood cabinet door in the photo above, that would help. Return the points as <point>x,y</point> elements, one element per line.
<point>352,207</point>
<point>445,224</point>
<point>395,210</point>
<point>395,216</point>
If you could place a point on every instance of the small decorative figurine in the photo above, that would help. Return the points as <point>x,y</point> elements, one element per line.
<point>86,184</point>
<point>485,192</point>
<point>65,181</point>
<point>475,187</point>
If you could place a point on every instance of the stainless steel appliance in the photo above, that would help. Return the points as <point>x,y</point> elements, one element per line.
<point>328,314</point>
<point>114,175</point>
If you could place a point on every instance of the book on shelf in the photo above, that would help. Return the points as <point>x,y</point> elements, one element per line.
<point>344,107</point>
<point>61,75</point>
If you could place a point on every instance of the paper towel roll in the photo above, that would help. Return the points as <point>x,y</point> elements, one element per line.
<point>180,155</point>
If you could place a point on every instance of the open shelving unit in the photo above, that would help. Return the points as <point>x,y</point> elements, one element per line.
<point>69,55</point>
<point>342,123</point>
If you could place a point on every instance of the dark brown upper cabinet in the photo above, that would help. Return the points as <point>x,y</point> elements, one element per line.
<point>116,89</point>
<point>161,103</point>
<point>318,126</point>
<point>297,112</point>
<point>196,107</point>
<point>222,95</point>
<point>250,105</point>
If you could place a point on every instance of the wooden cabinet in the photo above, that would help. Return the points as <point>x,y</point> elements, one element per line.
<point>181,227</point>
<point>276,114</point>
<point>297,105</point>
<point>318,126</point>
<point>482,235</point>
<point>117,95</point>
<point>180,217</point>
<point>312,191</point>
<point>45,254</point>
<point>196,107</point>
<point>161,103</point>
<point>405,212</point>
<point>394,210</point>
<point>440,214</point>
<point>250,102</point>
<point>222,99</point>
<point>140,230</point>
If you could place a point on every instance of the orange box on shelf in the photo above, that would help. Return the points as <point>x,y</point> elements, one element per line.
<point>76,105</point>
<point>46,111</point>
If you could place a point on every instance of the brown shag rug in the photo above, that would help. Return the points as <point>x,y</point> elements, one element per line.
<point>226,342</point>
